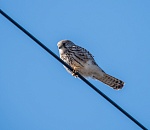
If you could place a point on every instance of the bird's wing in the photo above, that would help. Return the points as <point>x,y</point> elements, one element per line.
<point>82,53</point>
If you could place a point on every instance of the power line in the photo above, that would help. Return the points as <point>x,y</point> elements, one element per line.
<point>80,76</point>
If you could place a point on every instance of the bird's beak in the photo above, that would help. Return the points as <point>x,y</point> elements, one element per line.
<point>60,47</point>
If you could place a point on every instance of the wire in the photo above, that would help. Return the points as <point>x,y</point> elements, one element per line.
<point>80,76</point>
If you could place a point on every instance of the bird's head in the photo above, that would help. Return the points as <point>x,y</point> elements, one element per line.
<point>64,44</point>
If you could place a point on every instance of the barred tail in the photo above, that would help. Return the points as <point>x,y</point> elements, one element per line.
<point>111,81</point>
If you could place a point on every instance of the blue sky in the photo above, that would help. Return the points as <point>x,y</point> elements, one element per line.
<point>36,92</point>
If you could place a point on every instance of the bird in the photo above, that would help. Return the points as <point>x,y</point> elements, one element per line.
<point>82,61</point>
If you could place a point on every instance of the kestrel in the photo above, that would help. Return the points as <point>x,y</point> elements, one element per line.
<point>83,62</point>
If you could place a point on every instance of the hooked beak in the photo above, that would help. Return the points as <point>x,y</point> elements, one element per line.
<point>60,47</point>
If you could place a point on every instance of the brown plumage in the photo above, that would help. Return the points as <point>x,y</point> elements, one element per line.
<point>83,62</point>
<point>111,81</point>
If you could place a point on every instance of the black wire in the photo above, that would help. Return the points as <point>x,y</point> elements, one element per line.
<point>80,76</point>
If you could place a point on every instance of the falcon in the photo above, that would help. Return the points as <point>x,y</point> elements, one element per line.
<point>83,62</point>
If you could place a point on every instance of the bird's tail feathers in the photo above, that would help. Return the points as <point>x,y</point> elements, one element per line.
<point>111,81</point>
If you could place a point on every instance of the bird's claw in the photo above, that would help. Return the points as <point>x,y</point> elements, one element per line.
<point>74,73</point>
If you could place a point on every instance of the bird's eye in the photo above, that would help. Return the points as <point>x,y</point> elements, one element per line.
<point>64,44</point>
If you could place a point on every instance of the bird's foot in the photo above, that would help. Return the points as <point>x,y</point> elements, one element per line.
<point>74,73</point>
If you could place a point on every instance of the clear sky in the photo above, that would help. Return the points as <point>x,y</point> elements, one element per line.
<point>36,92</point>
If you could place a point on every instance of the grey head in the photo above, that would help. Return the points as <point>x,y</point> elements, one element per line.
<point>63,44</point>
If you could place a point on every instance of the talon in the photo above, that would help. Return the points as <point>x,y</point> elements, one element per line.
<point>74,73</point>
